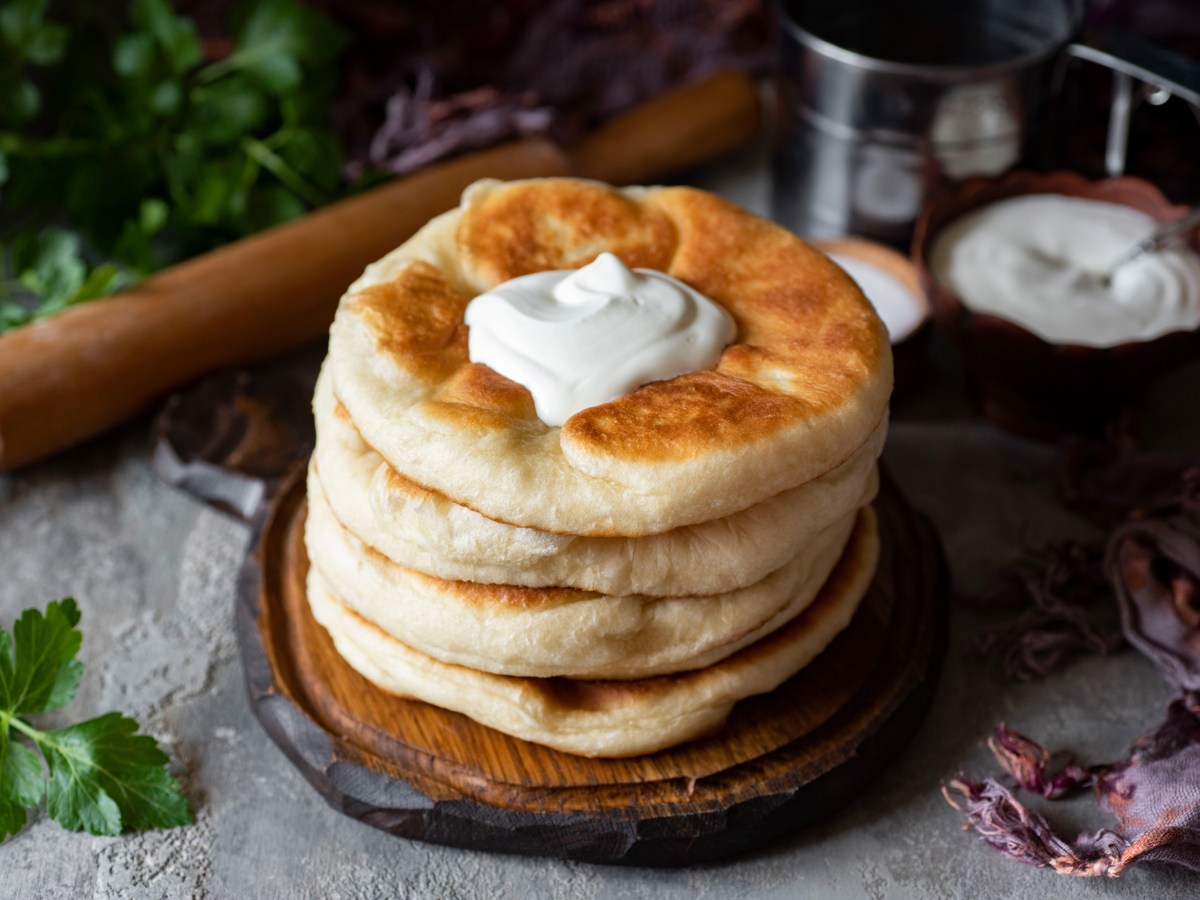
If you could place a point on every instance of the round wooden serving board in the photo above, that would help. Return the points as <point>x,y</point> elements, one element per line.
<point>785,759</point>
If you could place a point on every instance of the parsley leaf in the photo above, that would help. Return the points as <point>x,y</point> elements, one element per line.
<point>127,144</point>
<point>104,777</point>
<point>38,668</point>
<point>176,36</point>
<point>21,784</point>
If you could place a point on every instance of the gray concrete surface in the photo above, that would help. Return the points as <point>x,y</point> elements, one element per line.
<point>154,574</point>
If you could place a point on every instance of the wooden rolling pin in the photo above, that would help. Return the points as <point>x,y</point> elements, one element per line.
<point>75,375</point>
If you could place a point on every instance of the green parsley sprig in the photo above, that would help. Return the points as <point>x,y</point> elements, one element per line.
<point>101,775</point>
<point>126,145</point>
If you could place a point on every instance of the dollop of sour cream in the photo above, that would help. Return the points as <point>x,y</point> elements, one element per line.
<point>1040,260</point>
<point>582,337</point>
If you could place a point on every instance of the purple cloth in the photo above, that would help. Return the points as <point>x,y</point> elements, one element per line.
<point>1156,793</point>
<point>1153,566</point>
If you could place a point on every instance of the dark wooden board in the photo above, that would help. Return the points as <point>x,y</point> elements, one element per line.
<point>785,759</point>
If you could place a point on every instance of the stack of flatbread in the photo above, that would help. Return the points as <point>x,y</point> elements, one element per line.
<point>615,585</point>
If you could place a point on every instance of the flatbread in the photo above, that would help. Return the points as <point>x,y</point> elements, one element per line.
<point>605,718</point>
<point>805,384</point>
<point>426,531</point>
<point>550,631</point>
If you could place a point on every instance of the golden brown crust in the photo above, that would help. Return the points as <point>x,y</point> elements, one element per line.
<point>479,397</point>
<point>803,328</point>
<point>683,416</point>
<point>559,224</point>
<point>417,320</point>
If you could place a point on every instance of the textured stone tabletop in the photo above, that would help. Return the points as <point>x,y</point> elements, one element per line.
<point>154,574</point>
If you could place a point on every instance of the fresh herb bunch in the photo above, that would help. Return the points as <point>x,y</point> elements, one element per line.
<point>103,777</point>
<point>125,146</point>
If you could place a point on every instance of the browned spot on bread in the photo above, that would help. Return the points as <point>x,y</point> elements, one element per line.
<point>402,484</point>
<point>509,595</point>
<point>597,696</point>
<point>679,418</point>
<point>477,396</point>
<point>787,298</point>
<point>530,227</point>
<point>417,320</point>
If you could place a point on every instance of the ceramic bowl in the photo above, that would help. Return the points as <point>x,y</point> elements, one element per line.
<point>1023,382</point>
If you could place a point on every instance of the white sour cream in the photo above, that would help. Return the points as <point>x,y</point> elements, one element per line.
<point>1039,261</point>
<point>902,311</point>
<point>582,337</point>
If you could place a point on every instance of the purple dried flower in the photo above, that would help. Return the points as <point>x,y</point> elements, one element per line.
<point>1029,764</point>
<point>1023,834</point>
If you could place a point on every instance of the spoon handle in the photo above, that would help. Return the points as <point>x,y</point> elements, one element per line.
<point>1159,238</point>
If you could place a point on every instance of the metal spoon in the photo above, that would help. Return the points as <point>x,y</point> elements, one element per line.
<point>1158,239</point>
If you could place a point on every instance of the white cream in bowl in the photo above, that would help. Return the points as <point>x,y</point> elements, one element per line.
<point>1040,260</point>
